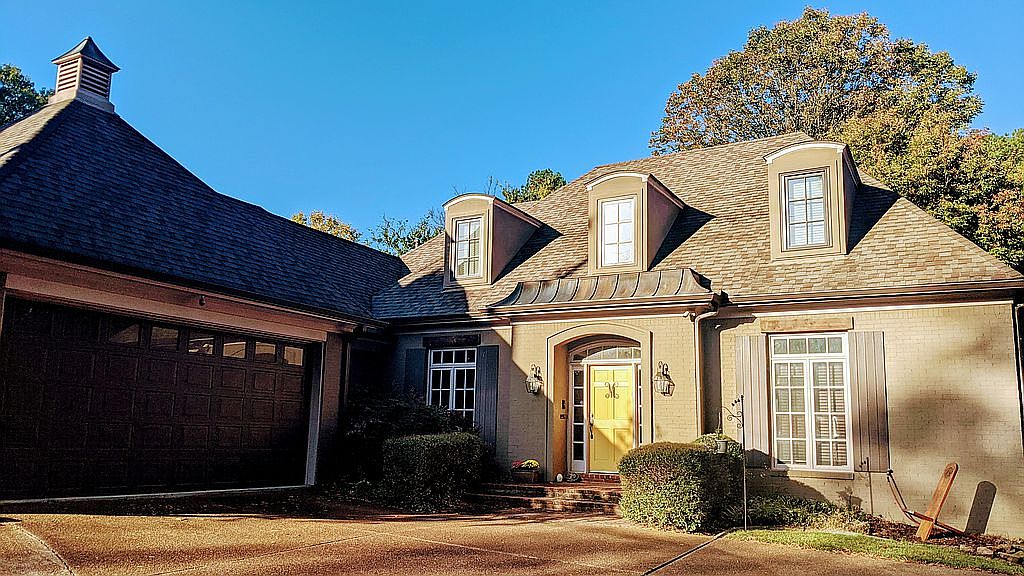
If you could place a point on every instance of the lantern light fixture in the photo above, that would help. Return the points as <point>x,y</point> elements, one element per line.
<point>662,381</point>
<point>533,381</point>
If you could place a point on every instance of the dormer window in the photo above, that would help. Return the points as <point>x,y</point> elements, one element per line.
<point>805,210</point>
<point>482,234</point>
<point>468,256</point>
<point>629,215</point>
<point>618,238</point>
<point>811,190</point>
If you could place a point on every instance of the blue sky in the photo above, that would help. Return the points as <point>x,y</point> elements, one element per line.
<point>374,107</point>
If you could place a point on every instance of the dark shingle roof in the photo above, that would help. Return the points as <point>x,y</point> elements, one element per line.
<point>82,184</point>
<point>722,235</point>
<point>90,50</point>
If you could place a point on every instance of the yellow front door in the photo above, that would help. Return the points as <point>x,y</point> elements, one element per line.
<point>611,415</point>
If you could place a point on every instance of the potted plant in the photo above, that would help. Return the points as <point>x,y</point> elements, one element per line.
<point>526,471</point>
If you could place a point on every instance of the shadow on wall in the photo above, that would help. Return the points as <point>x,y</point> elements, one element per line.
<point>960,417</point>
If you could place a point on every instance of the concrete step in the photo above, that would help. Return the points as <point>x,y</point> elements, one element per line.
<point>590,492</point>
<point>546,503</point>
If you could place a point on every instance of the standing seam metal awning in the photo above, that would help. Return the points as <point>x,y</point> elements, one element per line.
<point>610,288</point>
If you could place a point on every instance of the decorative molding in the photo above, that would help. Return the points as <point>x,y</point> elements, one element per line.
<point>806,324</point>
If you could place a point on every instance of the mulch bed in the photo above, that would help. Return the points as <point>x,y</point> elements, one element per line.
<point>979,544</point>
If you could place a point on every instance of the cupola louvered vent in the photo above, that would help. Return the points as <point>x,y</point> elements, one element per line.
<point>83,73</point>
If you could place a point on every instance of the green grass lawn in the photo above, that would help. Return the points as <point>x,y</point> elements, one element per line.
<point>893,549</point>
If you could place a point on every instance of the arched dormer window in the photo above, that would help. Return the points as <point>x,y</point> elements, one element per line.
<point>811,187</point>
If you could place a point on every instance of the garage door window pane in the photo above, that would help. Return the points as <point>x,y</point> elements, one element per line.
<point>234,347</point>
<point>266,352</point>
<point>123,332</point>
<point>163,338</point>
<point>293,355</point>
<point>200,343</point>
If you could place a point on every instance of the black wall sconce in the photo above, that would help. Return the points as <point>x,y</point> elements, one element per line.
<point>533,381</point>
<point>662,381</point>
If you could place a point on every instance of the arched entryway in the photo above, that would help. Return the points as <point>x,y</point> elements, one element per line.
<point>606,403</point>
<point>600,376</point>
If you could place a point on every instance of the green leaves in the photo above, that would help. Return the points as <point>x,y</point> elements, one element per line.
<point>18,95</point>
<point>811,74</point>
<point>328,223</point>
<point>538,185</point>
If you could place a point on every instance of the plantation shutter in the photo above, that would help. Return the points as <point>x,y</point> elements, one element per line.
<point>416,371</point>
<point>869,430</point>
<point>752,383</point>
<point>486,411</point>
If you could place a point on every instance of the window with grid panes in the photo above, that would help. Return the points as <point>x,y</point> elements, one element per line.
<point>810,401</point>
<point>452,380</point>
<point>805,210</point>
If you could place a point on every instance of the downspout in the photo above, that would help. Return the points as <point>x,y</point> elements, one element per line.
<point>1018,345</point>
<point>698,367</point>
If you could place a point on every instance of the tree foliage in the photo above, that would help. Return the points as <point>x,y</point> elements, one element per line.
<point>328,223</point>
<point>397,236</point>
<point>18,95</point>
<point>538,185</point>
<point>904,111</point>
<point>813,74</point>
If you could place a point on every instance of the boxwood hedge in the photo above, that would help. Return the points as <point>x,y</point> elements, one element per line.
<point>431,471</point>
<point>686,486</point>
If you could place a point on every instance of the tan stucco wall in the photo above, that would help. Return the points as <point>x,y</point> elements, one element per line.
<point>952,396</point>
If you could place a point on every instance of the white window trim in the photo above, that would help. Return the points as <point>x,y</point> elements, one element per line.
<point>600,231</point>
<point>825,201</point>
<point>844,357</point>
<point>451,367</point>
<point>455,247</point>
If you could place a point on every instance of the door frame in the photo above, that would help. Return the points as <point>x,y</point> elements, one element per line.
<point>585,365</point>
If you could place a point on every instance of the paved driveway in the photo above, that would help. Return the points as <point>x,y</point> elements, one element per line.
<point>364,541</point>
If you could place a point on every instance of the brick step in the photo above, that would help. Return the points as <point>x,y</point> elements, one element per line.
<point>610,493</point>
<point>546,503</point>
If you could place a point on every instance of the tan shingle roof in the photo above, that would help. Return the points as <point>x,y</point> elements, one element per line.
<point>722,235</point>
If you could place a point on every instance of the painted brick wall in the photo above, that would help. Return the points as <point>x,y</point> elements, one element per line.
<point>952,396</point>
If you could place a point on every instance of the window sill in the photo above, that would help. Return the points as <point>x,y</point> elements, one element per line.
<point>823,474</point>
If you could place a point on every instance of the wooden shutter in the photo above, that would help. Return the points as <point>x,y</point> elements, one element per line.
<point>752,383</point>
<point>416,371</point>
<point>486,408</point>
<point>869,426</point>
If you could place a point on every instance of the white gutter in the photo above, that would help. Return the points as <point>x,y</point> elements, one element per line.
<point>698,372</point>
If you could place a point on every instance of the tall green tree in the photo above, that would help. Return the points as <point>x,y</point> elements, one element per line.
<point>538,185</point>
<point>904,110</point>
<point>397,236</point>
<point>18,95</point>
<point>814,74</point>
<point>328,223</point>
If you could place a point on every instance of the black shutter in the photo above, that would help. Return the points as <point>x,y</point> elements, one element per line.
<point>869,429</point>
<point>416,372</point>
<point>486,408</point>
<point>752,383</point>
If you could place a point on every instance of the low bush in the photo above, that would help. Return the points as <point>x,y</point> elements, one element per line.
<point>790,511</point>
<point>686,486</point>
<point>430,472</point>
<point>371,421</point>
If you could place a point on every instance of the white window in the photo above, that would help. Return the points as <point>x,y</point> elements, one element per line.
<point>617,233</point>
<point>805,210</point>
<point>810,402</point>
<point>468,258</point>
<point>452,380</point>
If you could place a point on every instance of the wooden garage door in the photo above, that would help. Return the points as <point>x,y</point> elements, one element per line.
<point>93,403</point>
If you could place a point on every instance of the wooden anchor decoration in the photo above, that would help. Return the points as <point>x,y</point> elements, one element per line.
<point>930,518</point>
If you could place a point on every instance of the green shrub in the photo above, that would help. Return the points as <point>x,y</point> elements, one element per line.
<point>371,421</point>
<point>430,472</point>
<point>687,486</point>
<point>790,511</point>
